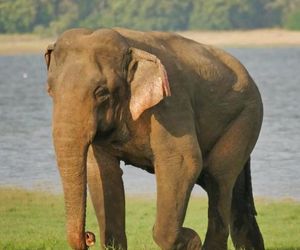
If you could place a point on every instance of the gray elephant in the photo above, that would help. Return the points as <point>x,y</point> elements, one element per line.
<point>188,112</point>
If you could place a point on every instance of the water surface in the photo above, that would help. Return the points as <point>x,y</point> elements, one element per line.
<point>26,151</point>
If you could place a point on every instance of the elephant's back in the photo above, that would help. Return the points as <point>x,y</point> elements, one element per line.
<point>206,62</point>
<point>161,42</point>
<point>210,72</point>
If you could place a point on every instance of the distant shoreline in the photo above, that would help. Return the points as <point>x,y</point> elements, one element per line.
<point>246,38</point>
<point>28,44</point>
<point>49,190</point>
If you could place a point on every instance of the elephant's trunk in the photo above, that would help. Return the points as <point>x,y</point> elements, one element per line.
<point>71,142</point>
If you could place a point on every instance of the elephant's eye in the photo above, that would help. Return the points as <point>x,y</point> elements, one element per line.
<point>101,93</point>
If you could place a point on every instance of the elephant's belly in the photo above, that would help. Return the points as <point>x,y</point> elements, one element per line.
<point>135,154</point>
<point>140,163</point>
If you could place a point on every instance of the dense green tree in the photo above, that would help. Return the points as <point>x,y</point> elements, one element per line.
<point>45,11</point>
<point>230,14</point>
<point>145,15</point>
<point>17,16</point>
<point>209,15</point>
<point>293,20</point>
<point>91,11</point>
<point>289,11</point>
<point>54,16</point>
<point>65,16</point>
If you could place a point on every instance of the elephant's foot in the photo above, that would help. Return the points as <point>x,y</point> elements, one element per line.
<point>215,241</point>
<point>191,239</point>
<point>90,239</point>
<point>187,239</point>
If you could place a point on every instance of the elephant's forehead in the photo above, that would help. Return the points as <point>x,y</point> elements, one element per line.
<point>104,55</point>
<point>100,41</point>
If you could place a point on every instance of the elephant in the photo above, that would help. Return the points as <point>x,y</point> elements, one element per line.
<point>187,112</point>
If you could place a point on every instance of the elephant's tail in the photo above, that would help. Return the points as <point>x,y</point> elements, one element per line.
<point>242,199</point>
<point>244,229</point>
<point>248,187</point>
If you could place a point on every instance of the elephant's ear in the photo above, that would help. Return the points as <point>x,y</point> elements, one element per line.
<point>148,81</point>
<point>47,55</point>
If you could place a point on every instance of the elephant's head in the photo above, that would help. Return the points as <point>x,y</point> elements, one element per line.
<point>96,81</point>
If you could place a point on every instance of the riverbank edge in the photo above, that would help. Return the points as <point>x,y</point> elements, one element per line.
<point>143,196</point>
<point>12,44</point>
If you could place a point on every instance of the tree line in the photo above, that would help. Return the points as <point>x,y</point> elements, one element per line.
<point>50,17</point>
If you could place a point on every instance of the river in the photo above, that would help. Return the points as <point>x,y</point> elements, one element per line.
<point>26,153</point>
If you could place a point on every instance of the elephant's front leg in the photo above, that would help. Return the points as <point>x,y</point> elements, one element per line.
<point>107,193</point>
<point>177,165</point>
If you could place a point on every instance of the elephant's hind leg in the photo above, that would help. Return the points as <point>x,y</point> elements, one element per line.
<point>223,165</point>
<point>244,230</point>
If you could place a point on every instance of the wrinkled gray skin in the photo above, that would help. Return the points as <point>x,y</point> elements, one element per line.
<point>188,112</point>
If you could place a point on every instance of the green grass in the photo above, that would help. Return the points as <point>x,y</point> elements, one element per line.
<point>35,221</point>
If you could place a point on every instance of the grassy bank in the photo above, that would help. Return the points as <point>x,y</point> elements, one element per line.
<point>20,44</point>
<point>33,220</point>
